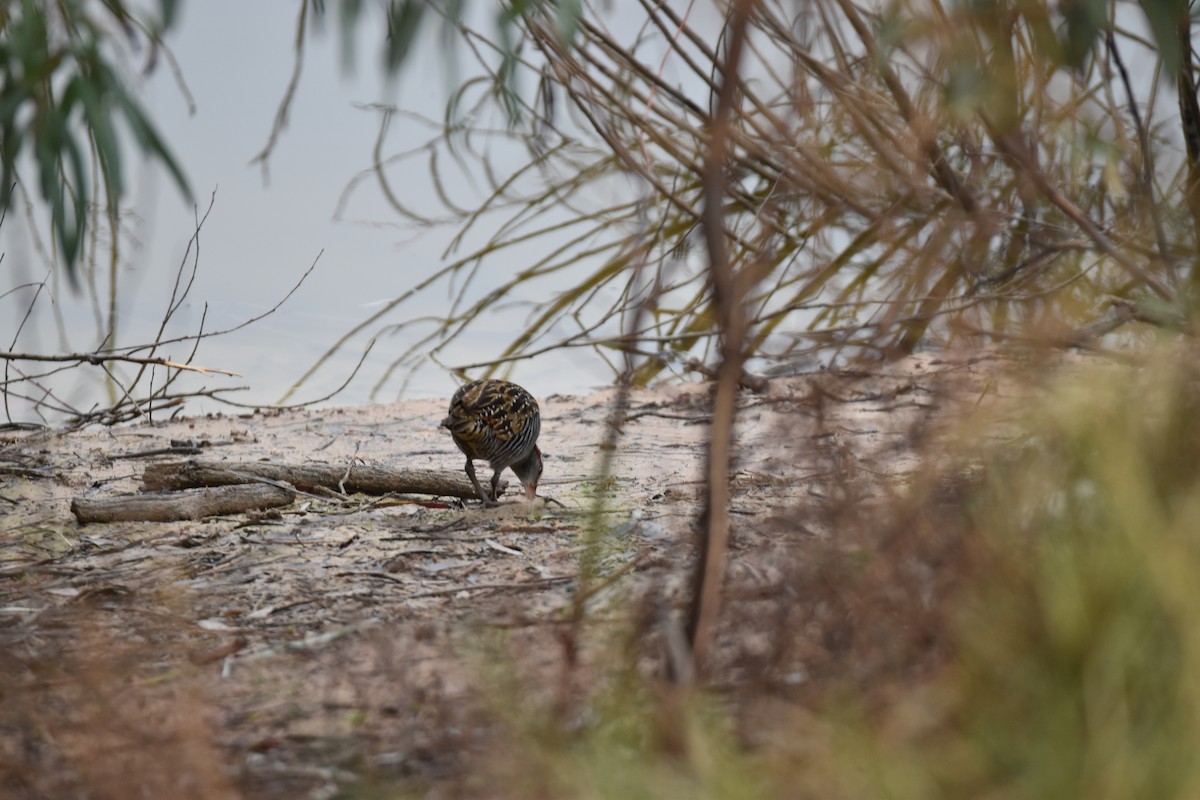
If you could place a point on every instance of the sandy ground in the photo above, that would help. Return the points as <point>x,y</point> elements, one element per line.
<point>346,638</point>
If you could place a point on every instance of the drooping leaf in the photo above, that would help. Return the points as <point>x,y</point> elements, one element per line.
<point>404,20</point>
<point>1168,19</point>
<point>1085,20</point>
<point>59,92</point>
<point>567,16</point>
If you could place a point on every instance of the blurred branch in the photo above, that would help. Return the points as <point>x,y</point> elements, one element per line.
<point>285,103</point>
<point>1146,153</point>
<point>1015,149</point>
<point>729,293</point>
<point>1189,117</point>
<point>101,357</point>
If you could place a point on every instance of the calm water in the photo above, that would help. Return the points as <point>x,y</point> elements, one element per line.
<point>262,235</point>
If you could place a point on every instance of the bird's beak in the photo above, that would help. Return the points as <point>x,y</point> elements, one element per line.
<point>531,492</point>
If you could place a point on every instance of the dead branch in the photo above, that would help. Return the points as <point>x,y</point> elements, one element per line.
<point>143,393</point>
<point>354,478</point>
<point>728,295</point>
<point>101,358</point>
<point>520,586</point>
<point>174,506</point>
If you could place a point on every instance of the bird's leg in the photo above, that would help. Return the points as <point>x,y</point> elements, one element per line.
<point>487,501</point>
<point>496,485</point>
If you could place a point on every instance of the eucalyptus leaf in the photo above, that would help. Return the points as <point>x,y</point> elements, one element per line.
<point>62,95</point>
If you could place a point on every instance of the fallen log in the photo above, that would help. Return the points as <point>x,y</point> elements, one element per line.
<point>174,506</point>
<point>364,478</point>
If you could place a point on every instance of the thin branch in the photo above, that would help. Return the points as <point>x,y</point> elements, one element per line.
<point>289,94</point>
<point>100,358</point>
<point>729,292</point>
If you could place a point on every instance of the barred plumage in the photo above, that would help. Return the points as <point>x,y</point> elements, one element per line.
<point>499,422</point>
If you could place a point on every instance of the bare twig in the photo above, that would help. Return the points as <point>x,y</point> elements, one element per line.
<point>101,358</point>
<point>132,401</point>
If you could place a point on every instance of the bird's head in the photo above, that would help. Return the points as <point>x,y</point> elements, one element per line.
<point>529,472</point>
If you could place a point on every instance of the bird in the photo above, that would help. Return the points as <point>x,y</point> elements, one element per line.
<point>499,422</point>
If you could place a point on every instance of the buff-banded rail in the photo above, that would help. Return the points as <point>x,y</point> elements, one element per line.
<point>498,422</point>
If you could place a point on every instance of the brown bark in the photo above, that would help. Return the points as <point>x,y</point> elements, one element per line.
<point>173,506</point>
<point>709,576</point>
<point>350,479</point>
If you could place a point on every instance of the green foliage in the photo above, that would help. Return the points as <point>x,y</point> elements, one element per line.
<point>64,101</point>
<point>1170,23</point>
<point>630,738</point>
<point>1074,637</point>
<point>407,18</point>
<point>1070,39</point>
<point>1078,632</point>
